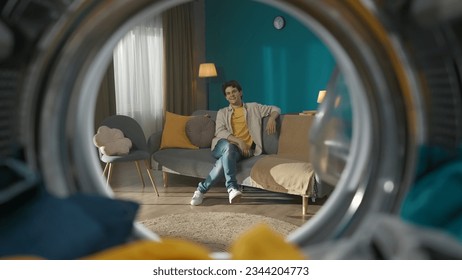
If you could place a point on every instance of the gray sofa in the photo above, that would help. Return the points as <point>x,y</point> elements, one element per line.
<point>198,162</point>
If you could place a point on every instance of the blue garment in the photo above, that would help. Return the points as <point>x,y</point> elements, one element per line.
<point>435,199</point>
<point>36,223</point>
<point>227,155</point>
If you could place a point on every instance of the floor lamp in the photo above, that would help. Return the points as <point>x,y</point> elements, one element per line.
<point>207,70</point>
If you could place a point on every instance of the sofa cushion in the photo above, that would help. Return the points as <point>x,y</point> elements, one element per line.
<point>174,132</point>
<point>198,163</point>
<point>195,163</point>
<point>200,131</point>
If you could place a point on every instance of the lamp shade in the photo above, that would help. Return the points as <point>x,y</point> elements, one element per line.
<point>321,95</point>
<point>207,70</point>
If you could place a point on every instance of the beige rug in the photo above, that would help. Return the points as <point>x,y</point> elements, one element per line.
<point>215,230</point>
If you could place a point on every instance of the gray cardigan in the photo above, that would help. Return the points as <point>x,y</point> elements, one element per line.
<point>254,113</point>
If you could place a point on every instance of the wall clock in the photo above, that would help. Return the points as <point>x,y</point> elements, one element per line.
<point>279,22</point>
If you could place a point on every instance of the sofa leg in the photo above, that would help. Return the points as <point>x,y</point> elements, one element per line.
<point>165,178</point>
<point>304,205</point>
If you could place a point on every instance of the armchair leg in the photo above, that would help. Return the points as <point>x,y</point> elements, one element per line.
<point>139,173</point>
<point>165,178</point>
<point>304,205</point>
<point>109,174</point>
<point>150,177</point>
<point>105,169</point>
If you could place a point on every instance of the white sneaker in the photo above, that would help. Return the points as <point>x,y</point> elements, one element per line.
<point>234,196</point>
<point>197,198</point>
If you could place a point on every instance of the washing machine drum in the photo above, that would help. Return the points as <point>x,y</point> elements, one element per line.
<point>391,115</point>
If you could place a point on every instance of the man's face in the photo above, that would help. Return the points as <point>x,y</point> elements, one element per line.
<point>233,96</point>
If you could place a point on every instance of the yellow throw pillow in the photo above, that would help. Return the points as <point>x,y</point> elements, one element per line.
<point>174,132</point>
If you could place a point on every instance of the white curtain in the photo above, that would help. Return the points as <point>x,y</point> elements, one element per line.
<point>138,74</point>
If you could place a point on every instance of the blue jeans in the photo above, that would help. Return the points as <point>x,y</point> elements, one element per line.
<point>227,155</point>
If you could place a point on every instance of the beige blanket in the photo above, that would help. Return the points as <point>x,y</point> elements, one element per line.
<point>289,171</point>
<point>279,174</point>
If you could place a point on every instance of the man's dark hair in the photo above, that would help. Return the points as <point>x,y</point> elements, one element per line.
<point>231,83</point>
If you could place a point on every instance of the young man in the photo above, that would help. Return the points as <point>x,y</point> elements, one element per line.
<point>237,136</point>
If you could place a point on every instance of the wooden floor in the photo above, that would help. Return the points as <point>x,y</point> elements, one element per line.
<point>175,199</point>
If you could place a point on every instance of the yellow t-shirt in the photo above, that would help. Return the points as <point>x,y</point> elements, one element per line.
<point>239,126</point>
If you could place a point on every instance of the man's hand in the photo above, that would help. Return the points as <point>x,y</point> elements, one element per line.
<point>271,125</point>
<point>245,150</point>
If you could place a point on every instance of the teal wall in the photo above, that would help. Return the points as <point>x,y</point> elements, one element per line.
<point>284,67</point>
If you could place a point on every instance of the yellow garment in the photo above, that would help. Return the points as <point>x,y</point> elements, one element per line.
<point>262,243</point>
<point>167,249</point>
<point>259,243</point>
<point>239,125</point>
